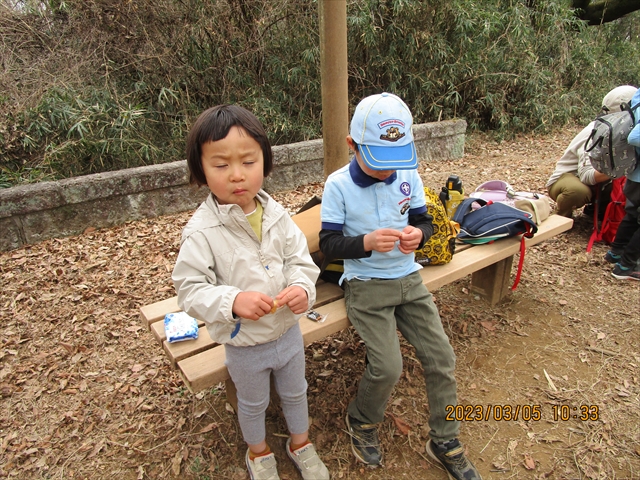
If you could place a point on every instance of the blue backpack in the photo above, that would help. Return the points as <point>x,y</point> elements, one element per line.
<point>492,221</point>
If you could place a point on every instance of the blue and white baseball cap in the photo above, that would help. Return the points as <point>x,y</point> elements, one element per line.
<point>381,126</point>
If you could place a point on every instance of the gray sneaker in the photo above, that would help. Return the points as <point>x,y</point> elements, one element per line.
<point>364,442</point>
<point>262,468</point>
<point>308,462</point>
<point>451,456</point>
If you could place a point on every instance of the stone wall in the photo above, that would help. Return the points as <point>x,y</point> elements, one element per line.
<point>36,212</point>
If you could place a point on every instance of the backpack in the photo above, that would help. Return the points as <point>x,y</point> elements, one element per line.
<point>613,215</point>
<point>607,146</point>
<point>440,247</point>
<point>537,204</point>
<point>493,221</point>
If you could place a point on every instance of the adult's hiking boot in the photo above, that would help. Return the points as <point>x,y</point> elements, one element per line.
<point>452,458</point>
<point>365,443</point>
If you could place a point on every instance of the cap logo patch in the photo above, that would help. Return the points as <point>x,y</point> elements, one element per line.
<point>393,135</point>
<point>393,132</point>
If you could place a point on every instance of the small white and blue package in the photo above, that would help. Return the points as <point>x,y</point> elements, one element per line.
<point>180,326</point>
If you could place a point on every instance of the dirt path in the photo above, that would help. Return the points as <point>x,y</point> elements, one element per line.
<point>86,394</point>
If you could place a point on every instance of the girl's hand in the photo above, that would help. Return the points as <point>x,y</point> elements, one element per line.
<point>295,297</point>
<point>252,305</point>
<point>410,239</point>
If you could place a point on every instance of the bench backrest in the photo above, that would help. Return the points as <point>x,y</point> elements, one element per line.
<point>309,222</point>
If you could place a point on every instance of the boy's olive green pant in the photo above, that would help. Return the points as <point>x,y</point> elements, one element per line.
<point>376,308</point>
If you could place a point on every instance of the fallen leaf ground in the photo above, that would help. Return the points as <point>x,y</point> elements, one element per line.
<point>86,393</point>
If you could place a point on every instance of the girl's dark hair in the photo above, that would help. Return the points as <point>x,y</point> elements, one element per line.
<point>214,124</point>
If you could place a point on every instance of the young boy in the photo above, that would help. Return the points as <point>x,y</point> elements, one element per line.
<point>374,217</point>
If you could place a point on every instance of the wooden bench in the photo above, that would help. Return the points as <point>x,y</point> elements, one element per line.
<point>201,362</point>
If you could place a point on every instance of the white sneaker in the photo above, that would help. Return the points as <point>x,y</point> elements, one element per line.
<point>262,468</point>
<point>308,462</point>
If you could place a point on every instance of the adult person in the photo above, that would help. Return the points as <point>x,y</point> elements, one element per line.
<point>574,181</point>
<point>625,249</point>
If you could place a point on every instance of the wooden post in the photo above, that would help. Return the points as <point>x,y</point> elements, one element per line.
<point>335,98</point>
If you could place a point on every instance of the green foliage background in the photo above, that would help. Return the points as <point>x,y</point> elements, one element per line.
<point>98,85</point>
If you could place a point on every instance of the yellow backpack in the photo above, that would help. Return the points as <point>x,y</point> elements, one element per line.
<point>440,247</point>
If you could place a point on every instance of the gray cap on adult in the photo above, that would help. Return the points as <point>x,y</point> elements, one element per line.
<point>616,97</point>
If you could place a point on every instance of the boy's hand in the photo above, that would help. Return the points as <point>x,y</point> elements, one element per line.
<point>410,239</point>
<point>295,297</point>
<point>252,305</point>
<point>381,240</point>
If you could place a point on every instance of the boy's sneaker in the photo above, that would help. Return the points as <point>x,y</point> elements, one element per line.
<point>263,467</point>
<point>611,257</point>
<point>364,441</point>
<point>624,273</point>
<point>451,456</point>
<point>308,462</point>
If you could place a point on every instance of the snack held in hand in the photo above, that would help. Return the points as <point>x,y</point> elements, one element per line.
<point>275,306</point>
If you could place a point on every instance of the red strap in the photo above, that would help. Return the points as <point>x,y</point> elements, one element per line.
<point>521,261</point>
<point>595,237</point>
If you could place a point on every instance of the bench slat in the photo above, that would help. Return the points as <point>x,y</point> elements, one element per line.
<point>327,293</point>
<point>179,350</point>
<point>198,372</point>
<point>156,311</point>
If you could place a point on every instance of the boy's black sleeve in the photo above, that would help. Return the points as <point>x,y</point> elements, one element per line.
<point>424,222</point>
<point>333,244</point>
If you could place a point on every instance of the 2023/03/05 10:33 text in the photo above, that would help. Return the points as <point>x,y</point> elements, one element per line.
<point>476,413</point>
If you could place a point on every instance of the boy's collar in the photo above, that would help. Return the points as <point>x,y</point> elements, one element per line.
<point>362,179</point>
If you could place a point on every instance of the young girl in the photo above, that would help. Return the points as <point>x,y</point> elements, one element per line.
<point>244,269</point>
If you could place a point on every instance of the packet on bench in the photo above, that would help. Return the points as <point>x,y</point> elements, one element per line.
<point>316,316</point>
<point>180,326</point>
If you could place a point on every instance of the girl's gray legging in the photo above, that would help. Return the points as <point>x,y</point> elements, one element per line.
<point>250,369</point>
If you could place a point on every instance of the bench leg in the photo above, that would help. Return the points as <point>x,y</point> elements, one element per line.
<point>232,394</point>
<point>492,282</point>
